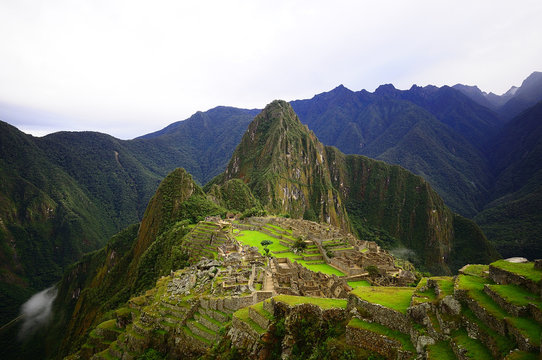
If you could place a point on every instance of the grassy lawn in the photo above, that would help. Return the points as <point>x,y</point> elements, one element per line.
<point>504,344</point>
<point>529,328</point>
<point>254,238</point>
<point>383,330</point>
<point>468,282</point>
<point>396,298</point>
<point>475,285</point>
<point>522,355</point>
<point>445,284</point>
<point>356,284</point>
<point>278,228</point>
<point>242,314</point>
<point>475,349</point>
<point>525,269</point>
<point>476,270</point>
<point>440,351</point>
<point>324,303</point>
<point>260,310</point>
<point>516,295</point>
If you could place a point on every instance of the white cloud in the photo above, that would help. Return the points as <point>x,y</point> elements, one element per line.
<point>131,67</point>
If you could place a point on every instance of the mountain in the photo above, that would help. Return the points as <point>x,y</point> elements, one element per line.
<point>284,166</point>
<point>513,218</point>
<point>511,103</point>
<point>202,144</point>
<point>290,171</point>
<point>490,100</point>
<point>66,193</point>
<point>436,133</point>
<point>47,220</point>
<point>526,96</point>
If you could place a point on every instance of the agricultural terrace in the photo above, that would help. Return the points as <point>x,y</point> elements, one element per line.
<point>396,298</point>
<point>278,250</point>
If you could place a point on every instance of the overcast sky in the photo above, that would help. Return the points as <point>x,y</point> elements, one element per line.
<point>131,67</point>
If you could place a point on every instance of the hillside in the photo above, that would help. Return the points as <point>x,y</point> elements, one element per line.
<point>66,193</point>
<point>434,132</point>
<point>513,102</point>
<point>291,172</point>
<point>512,219</point>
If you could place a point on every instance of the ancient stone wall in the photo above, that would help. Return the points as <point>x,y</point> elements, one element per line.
<point>380,314</point>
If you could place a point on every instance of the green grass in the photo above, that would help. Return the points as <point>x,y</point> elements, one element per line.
<point>203,327</point>
<point>440,351</point>
<point>504,344</point>
<point>525,269</point>
<point>383,330</point>
<point>516,295</point>
<point>254,238</point>
<point>324,303</point>
<point>355,284</point>
<point>243,315</point>
<point>189,332</point>
<point>522,355</point>
<point>468,282</point>
<point>475,349</point>
<point>445,284</point>
<point>109,324</point>
<point>529,328</point>
<point>260,310</point>
<point>279,228</point>
<point>474,285</point>
<point>396,298</point>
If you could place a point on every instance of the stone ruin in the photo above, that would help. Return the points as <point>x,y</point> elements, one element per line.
<point>349,255</point>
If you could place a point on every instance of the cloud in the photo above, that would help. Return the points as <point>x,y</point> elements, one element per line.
<point>140,65</point>
<point>37,312</point>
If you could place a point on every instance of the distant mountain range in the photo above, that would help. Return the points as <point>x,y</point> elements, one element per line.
<point>511,103</point>
<point>67,193</point>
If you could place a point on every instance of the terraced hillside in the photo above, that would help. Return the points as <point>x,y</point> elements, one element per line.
<point>224,307</point>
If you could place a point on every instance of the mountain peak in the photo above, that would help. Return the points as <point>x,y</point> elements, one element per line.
<point>385,89</point>
<point>285,167</point>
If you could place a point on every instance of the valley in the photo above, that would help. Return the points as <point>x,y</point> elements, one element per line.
<point>292,248</point>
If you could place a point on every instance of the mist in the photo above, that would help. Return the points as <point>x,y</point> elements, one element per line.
<point>404,253</point>
<point>37,312</point>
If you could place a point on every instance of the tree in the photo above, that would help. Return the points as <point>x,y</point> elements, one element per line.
<point>265,244</point>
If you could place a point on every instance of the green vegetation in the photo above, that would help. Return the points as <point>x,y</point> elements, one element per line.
<point>522,355</point>
<point>243,315</point>
<point>324,303</point>
<point>474,285</point>
<point>523,269</point>
<point>355,284</point>
<point>504,344</point>
<point>440,351</point>
<point>383,330</point>
<point>255,238</point>
<point>474,349</point>
<point>476,270</point>
<point>516,295</point>
<point>396,298</point>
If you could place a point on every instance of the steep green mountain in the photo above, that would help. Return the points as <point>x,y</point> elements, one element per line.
<point>435,133</point>
<point>284,166</point>
<point>47,220</point>
<point>513,218</point>
<point>234,195</point>
<point>290,171</point>
<point>132,261</point>
<point>66,193</point>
